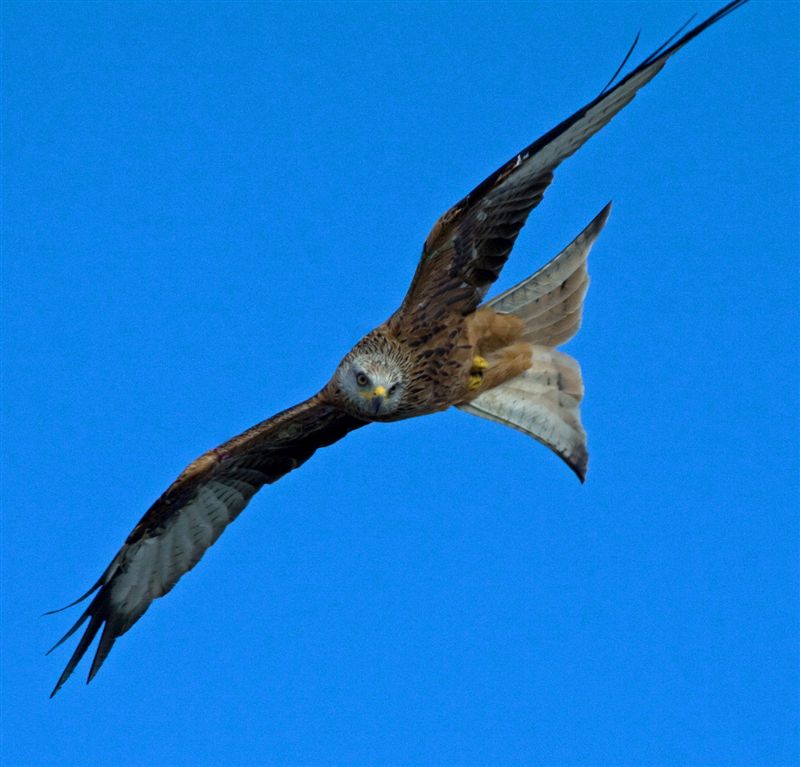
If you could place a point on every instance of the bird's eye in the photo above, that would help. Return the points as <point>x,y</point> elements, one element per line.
<point>392,389</point>
<point>361,379</point>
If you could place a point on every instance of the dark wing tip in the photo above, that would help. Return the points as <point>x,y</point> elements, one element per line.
<point>107,638</point>
<point>104,578</point>
<point>622,65</point>
<point>666,50</point>
<point>77,601</point>
<point>87,638</point>
<point>98,614</point>
<point>75,627</point>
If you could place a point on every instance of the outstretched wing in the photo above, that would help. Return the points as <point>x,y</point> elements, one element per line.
<point>180,526</point>
<point>468,245</point>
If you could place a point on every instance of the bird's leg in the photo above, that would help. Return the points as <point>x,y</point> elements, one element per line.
<point>479,364</point>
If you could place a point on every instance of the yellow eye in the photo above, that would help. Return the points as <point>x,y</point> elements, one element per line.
<point>362,379</point>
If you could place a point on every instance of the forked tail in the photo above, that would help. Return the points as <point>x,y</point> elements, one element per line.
<point>544,401</point>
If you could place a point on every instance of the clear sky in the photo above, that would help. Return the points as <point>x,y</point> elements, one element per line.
<point>204,207</point>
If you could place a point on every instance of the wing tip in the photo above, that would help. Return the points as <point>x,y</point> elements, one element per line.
<point>75,626</point>
<point>104,578</point>
<point>97,612</point>
<point>107,639</point>
<point>77,601</point>
<point>86,640</point>
<point>667,49</point>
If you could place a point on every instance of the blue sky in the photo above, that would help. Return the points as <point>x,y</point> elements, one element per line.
<point>206,205</point>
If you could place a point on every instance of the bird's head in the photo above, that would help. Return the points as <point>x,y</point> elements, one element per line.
<point>372,381</point>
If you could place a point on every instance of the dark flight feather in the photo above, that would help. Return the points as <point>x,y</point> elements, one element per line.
<point>183,523</point>
<point>461,256</point>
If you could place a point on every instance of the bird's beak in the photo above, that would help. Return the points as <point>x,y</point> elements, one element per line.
<point>378,395</point>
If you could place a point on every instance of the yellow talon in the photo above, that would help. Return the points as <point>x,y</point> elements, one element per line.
<point>479,364</point>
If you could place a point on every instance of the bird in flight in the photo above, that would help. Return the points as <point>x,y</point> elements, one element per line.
<point>443,347</point>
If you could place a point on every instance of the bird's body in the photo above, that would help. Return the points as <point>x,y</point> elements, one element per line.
<point>444,347</point>
<point>438,370</point>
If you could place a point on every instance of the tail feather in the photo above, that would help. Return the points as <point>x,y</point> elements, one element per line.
<point>555,292</point>
<point>544,401</point>
<point>559,330</point>
<point>565,295</point>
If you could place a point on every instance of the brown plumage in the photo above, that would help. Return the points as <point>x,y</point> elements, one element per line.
<point>439,349</point>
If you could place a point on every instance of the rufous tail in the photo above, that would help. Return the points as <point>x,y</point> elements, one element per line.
<point>544,401</point>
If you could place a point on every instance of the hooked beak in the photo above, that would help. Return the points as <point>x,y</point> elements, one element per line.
<point>377,398</point>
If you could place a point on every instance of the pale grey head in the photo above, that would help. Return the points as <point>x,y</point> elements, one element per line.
<point>372,381</point>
